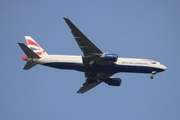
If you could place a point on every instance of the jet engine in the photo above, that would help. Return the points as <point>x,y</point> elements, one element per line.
<point>110,57</point>
<point>114,81</point>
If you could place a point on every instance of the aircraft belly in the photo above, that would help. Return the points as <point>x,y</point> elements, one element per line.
<point>65,65</point>
<point>137,69</point>
<point>102,68</point>
<point>80,67</point>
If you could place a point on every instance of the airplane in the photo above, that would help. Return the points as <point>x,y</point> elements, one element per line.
<point>97,66</point>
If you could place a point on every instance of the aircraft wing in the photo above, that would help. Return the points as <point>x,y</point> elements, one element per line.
<point>92,54</point>
<point>87,47</point>
<point>91,82</point>
<point>87,85</point>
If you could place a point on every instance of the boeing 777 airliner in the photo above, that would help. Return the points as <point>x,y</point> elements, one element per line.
<point>97,66</point>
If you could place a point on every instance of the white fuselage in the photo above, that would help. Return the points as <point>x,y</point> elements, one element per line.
<point>122,65</point>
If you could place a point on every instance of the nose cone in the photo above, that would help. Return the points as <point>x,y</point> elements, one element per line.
<point>164,67</point>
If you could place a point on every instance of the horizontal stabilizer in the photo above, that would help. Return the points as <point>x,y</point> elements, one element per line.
<point>28,51</point>
<point>29,65</point>
<point>30,54</point>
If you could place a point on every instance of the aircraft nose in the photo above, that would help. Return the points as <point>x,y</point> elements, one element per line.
<point>164,67</point>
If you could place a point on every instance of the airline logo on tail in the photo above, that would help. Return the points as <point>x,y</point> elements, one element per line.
<point>34,46</point>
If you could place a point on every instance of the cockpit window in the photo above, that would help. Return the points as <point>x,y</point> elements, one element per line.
<point>153,62</point>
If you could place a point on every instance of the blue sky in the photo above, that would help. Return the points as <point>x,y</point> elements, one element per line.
<point>141,29</point>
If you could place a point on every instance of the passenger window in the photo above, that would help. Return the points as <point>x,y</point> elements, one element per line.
<point>154,62</point>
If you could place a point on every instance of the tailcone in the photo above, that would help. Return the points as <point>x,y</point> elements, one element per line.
<point>25,58</point>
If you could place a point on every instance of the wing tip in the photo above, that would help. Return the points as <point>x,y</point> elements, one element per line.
<point>65,18</point>
<point>79,91</point>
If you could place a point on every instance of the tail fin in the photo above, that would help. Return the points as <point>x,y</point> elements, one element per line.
<point>35,47</point>
<point>30,54</point>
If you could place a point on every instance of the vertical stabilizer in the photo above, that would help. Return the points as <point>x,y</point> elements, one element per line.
<point>35,47</point>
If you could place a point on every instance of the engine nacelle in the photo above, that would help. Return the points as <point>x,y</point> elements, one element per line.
<point>114,81</point>
<point>110,57</point>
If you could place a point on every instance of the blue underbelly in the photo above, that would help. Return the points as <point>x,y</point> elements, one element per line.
<point>102,68</point>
